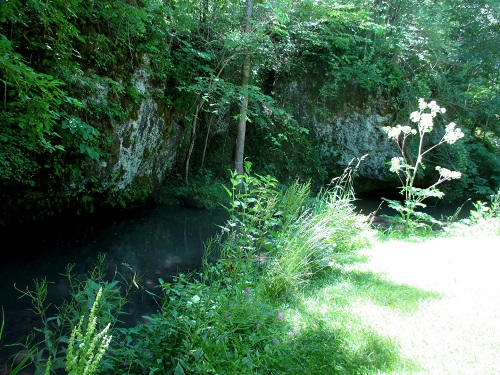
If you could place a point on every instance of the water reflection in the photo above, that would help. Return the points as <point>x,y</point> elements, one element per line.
<point>158,243</point>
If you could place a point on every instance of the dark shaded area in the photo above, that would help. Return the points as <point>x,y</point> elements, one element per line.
<point>440,209</point>
<point>45,235</point>
<point>152,242</point>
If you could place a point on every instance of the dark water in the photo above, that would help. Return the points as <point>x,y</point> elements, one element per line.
<point>155,243</point>
<point>368,203</point>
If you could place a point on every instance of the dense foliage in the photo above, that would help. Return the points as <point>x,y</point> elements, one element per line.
<point>67,66</point>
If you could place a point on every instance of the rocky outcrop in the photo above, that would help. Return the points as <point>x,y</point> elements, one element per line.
<point>345,132</point>
<point>345,137</point>
<point>145,147</point>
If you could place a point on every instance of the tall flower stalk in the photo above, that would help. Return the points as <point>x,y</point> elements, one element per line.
<point>407,171</point>
<point>86,347</point>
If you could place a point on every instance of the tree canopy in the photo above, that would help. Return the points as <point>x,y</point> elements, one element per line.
<point>66,75</point>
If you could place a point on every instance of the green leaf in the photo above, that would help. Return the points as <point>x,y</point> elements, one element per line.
<point>179,370</point>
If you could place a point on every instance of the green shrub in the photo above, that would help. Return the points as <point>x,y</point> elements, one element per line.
<point>312,241</point>
<point>209,324</point>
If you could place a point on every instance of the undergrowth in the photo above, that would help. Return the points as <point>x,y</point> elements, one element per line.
<point>272,297</point>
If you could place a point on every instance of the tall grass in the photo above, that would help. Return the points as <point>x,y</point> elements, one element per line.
<point>311,243</point>
<point>312,240</point>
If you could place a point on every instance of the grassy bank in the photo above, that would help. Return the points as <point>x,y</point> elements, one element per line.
<point>456,331</point>
<point>294,284</point>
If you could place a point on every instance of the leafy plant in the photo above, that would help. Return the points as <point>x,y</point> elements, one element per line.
<point>252,210</point>
<point>285,235</point>
<point>407,167</point>
<point>315,237</point>
<point>50,343</point>
<point>209,323</point>
<point>483,218</point>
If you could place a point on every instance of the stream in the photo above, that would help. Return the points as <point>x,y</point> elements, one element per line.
<point>156,242</point>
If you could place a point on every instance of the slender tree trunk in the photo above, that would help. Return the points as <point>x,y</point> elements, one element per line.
<point>193,137</point>
<point>206,144</point>
<point>194,123</point>
<point>242,124</point>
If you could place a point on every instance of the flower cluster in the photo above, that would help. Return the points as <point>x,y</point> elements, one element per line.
<point>407,169</point>
<point>90,347</point>
<point>446,174</point>
<point>396,164</point>
<point>425,119</point>
<point>451,134</point>
<point>393,132</point>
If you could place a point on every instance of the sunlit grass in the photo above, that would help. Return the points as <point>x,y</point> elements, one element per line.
<point>458,333</point>
<point>324,337</point>
<point>420,307</point>
<point>329,339</point>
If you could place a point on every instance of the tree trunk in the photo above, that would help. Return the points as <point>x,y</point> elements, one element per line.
<point>193,138</point>
<point>206,144</point>
<point>194,124</point>
<point>242,124</point>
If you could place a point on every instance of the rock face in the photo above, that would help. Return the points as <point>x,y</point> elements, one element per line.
<point>345,132</point>
<point>345,138</point>
<point>145,147</point>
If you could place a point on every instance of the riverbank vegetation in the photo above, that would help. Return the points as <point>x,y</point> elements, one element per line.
<point>279,286</point>
<point>277,294</point>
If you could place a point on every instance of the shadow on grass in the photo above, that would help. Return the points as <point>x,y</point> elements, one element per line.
<point>347,349</point>
<point>386,293</point>
<point>336,341</point>
<point>348,284</point>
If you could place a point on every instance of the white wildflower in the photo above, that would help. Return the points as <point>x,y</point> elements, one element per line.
<point>422,104</point>
<point>447,174</point>
<point>415,116</point>
<point>393,132</point>
<point>396,164</point>
<point>452,134</point>
<point>408,130</point>
<point>425,124</point>
<point>433,106</point>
